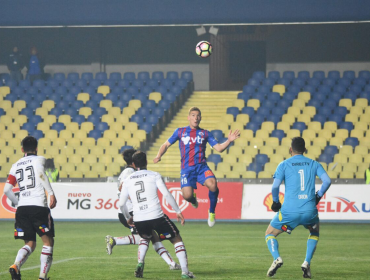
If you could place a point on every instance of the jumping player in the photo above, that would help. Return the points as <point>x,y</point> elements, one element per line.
<point>142,188</point>
<point>300,202</point>
<point>134,238</point>
<point>192,144</point>
<point>32,215</point>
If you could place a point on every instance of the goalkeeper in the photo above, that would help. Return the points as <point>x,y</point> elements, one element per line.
<point>299,208</point>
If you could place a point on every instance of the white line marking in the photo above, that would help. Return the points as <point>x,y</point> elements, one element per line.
<point>38,266</point>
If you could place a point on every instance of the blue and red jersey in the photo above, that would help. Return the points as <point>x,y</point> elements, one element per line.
<point>192,144</point>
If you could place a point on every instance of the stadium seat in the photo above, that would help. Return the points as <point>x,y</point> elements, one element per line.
<point>342,133</point>
<point>279,89</point>
<point>346,175</point>
<point>353,141</point>
<point>356,158</point>
<point>253,103</point>
<point>288,119</point>
<point>256,167</point>
<point>249,151</point>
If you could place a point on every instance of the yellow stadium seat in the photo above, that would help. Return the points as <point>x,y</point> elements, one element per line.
<point>263,134</point>
<point>66,134</point>
<point>335,141</point>
<point>287,142</point>
<point>211,165</point>
<point>68,167</point>
<point>72,126</point>
<point>59,142</point>
<point>249,175</point>
<point>118,142</point>
<point>304,118</point>
<point>8,151</point>
<point>255,103</point>
<point>319,142</point>
<point>219,174</point>
<point>233,174</point>
<point>90,159</point>
<point>66,119</point>
<point>239,103</point>
<point>331,126</point>
<point>304,95</point>
<point>19,105</point>
<point>359,134</point>
<point>79,134</point>
<point>5,104</point>
<point>109,119</point>
<point>67,150</point>
<point>43,142</point>
<point>106,159</point>
<point>115,111</point>
<point>103,90</point>
<point>242,118</point>
<point>134,142</point>
<point>110,134</point>
<point>356,110</point>
<point>85,111</point>
<point>346,175</point>
<point>288,119</point>
<point>271,167</point>
<point>268,126</point>
<point>361,150</point>
<point>12,112</point>
<point>310,111</point>
<point>236,126</point>
<point>272,142</point>
<point>131,126</point>
<point>246,134</point>
<point>106,104</point>
<point>42,112</point>
<point>21,119</point>
<point>48,104</point>
<point>364,119</point>
<point>361,167</point>
<point>129,111</point>
<point>264,175</point>
<point>276,158</point>
<point>3,160</point>
<point>135,104</point>
<point>308,135</point>
<point>83,167</point>
<point>256,142</point>
<point>224,127</point>
<point>60,159</point>
<point>97,150</point>
<point>350,167</point>
<point>235,151</point>
<point>361,102</point>
<point>74,142</point>
<point>355,158</point>
<point>51,134</point>
<point>74,174</point>
<point>240,168</point>
<point>340,158</point>
<point>250,150</point>
<point>98,168</point>
<point>352,118</point>
<point>284,126</point>
<point>88,142</point>
<point>367,159</point>
<point>156,96</point>
<point>103,142</point>
<point>140,134</point>
<point>113,150</point>
<point>229,158</point>
<point>335,166</point>
<point>346,103</point>
<point>361,126</point>
<point>342,133</point>
<point>346,150</point>
<point>2,127</point>
<point>87,126</point>
<point>50,119</point>
<point>367,110</point>
<point>224,166</point>
<point>4,91</point>
<point>293,133</point>
<point>279,89</point>
<point>315,126</point>
<point>299,103</point>
<point>84,97</point>
<point>82,150</point>
<point>228,118</point>
<point>114,168</point>
<point>14,127</point>
<point>245,159</point>
<point>17,141</point>
<point>116,127</point>
<point>267,150</point>
<point>51,151</point>
<point>360,175</point>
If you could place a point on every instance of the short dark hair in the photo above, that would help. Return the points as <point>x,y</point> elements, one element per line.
<point>139,159</point>
<point>29,144</point>
<point>127,155</point>
<point>192,109</point>
<point>49,163</point>
<point>298,145</point>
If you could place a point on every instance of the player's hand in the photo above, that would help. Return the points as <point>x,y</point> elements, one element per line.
<point>130,222</point>
<point>156,159</point>
<point>317,198</point>
<point>53,202</point>
<point>233,135</point>
<point>275,206</point>
<point>181,218</point>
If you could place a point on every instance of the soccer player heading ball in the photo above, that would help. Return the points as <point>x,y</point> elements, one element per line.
<point>192,144</point>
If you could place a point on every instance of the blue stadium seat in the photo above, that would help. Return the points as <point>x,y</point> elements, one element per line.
<point>289,96</point>
<point>129,76</point>
<point>137,83</point>
<point>164,104</point>
<point>152,119</point>
<point>364,74</point>
<point>11,97</point>
<point>125,148</point>
<point>163,90</point>
<point>71,111</point>
<point>81,83</point>
<point>78,104</point>
<point>278,133</point>
<point>150,104</point>
<point>78,119</point>
<point>100,111</point>
<point>340,89</point>
<point>300,126</point>
<point>30,127</point>
<point>218,134</point>
<point>4,77</point>
<point>97,97</point>
<point>126,97</point>
<point>123,84</point>
<point>70,98</point>
<point>320,75</point>
<point>132,90</point>
<point>273,118</point>
<point>256,167</point>
<point>355,89</point>
<point>73,76</point>
<point>115,76</point>
<point>67,83</point>
<point>88,76</point>
<point>152,83</point>
<point>34,105</point>
<point>141,96</point>
<point>216,159</point>
<point>75,90</point>
<point>335,75</point>
<point>261,159</point>
<point>299,82</point>
<point>314,82</point>
<point>112,96</point>
<point>143,76</point>
<point>18,90</point>
<point>249,89</point>
<point>365,95</point>
<point>319,96</point>
<point>319,118</point>
<point>102,126</point>
<point>101,76</point>
<point>269,104</point>
<point>288,75</point>
<point>274,97</point>
<point>172,75</point>
<point>325,111</point>
<point>95,119</point>
<point>254,82</point>
<point>167,83</point>
<point>349,75</point>
<point>62,105</point>
<point>35,119</point>
<point>259,75</point>
<point>32,90</point>
<point>259,95</point>
<point>264,89</point>
<point>176,90</point>
<point>117,90</point>
<point>187,75</point>
<point>96,134</point>
<point>350,95</point>
<point>121,104</point>
<point>159,112</point>
<point>360,82</point>
<point>142,112</point>
<point>248,110</point>
<point>110,83</point>
<point>244,96</point>
<point>310,88</point>
<point>284,104</point>
<point>60,77</point>
<point>334,96</point>
<point>137,118</point>
<point>325,89</point>
<point>263,111</point>
<point>61,90</point>
<point>329,82</point>
<point>353,141</point>
<point>305,75</point>
<point>10,83</point>
<point>233,111</point>
<point>148,127</point>
<point>345,82</point>
<point>25,111</point>
<point>325,158</point>
<point>279,111</point>
<point>253,126</point>
<point>347,125</point>
<point>92,104</point>
<point>47,90</point>
<point>331,150</point>
<point>335,118</point>
<point>37,134</point>
<point>182,83</point>
<point>315,103</point>
<point>95,83</point>
<point>24,84</point>
<point>56,112</point>
<point>275,75</point>
<point>146,90</point>
<point>340,110</point>
<point>58,126</point>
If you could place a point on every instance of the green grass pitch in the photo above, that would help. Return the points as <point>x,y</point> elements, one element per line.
<point>226,251</point>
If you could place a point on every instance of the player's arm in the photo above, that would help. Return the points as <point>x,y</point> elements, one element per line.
<point>169,198</point>
<point>230,138</point>
<point>278,178</point>
<point>45,182</point>
<point>162,150</point>
<point>326,182</point>
<point>122,202</point>
<point>10,183</point>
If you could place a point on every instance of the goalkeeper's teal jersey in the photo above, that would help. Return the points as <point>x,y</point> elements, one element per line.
<point>299,173</point>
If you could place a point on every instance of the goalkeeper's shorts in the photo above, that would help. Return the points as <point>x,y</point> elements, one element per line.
<point>289,221</point>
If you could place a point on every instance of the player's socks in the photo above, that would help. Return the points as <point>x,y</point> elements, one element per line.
<point>162,251</point>
<point>313,238</point>
<point>132,239</point>
<point>213,200</point>
<point>143,248</point>
<point>22,256</point>
<point>182,256</point>
<point>273,245</point>
<point>46,260</point>
<point>193,199</point>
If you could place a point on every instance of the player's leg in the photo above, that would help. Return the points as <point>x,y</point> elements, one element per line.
<point>208,179</point>
<point>312,241</point>
<point>188,184</point>
<point>21,258</point>
<point>145,230</point>
<point>163,253</point>
<point>271,233</point>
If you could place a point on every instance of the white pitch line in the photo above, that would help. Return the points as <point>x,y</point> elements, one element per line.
<point>38,266</point>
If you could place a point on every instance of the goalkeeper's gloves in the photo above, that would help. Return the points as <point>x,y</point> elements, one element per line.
<point>275,206</point>
<point>317,197</point>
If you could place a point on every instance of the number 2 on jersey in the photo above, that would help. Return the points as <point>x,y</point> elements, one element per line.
<point>301,173</point>
<point>141,190</point>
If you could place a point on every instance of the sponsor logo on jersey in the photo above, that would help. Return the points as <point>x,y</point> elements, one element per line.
<point>268,200</point>
<point>208,173</point>
<point>187,139</point>
<point>177,194</point>
<point>7,204</point>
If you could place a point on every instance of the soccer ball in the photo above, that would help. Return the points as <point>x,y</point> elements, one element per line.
<point>203,49</point>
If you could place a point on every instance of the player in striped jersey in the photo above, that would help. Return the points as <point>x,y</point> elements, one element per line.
<point>192,143</point>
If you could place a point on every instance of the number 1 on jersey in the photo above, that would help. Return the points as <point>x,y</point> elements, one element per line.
<point>301,173</point>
